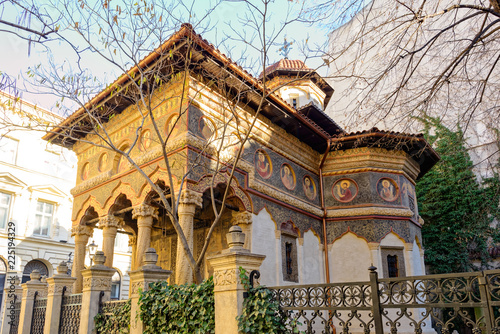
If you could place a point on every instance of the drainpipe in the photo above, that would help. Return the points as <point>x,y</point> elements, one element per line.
<point>327,265</point>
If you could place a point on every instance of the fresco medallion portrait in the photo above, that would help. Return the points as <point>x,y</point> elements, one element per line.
<point>263,164</point>
<point>345,190</point>
<point>288,176</point>
<point>206,127</point>
<point>388,189</point>
<point>309,188</point>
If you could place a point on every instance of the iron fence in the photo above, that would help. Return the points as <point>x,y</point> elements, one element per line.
<point>38,317</point>
<point>14,321</point>
<point>71,306</point>
<point>396,305</point>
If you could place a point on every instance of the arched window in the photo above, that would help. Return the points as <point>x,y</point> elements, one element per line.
<point>32,265</point>
<point>3,274</point>
<point>116,282</point>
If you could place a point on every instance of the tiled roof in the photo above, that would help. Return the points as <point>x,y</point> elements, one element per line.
<point>286,64</point>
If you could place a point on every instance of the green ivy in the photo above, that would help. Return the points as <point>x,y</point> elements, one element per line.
<point>457,210</point>
<point>118,322</point>
<point>262,313</point>
<point>178,308</point>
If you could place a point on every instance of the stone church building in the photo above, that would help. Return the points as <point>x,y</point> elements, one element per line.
<point>321,204</point>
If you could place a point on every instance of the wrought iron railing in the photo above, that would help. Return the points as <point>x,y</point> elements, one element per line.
<point>14,321</point>
<point>38,318</point>
<point>71,306</point>
<point>396,305</point>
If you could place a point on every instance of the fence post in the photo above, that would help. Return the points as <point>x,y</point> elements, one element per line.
<point>13,294</point>
<point>58,285</point>
<point>485,302</point>
<point>96,279</point>
<point>228,289</point>
<point>31,289</point>
<point>140,279</point>
<point>376,310</point>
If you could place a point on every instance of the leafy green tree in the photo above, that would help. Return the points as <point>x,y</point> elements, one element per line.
<point>457,209</point>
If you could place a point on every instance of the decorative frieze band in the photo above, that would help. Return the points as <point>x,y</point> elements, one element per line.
<point>369,211</point>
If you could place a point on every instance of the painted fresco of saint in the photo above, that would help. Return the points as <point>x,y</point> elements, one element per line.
<point>345,190</point>
<point>86,171</point>
<point>288,177</point>
<point>206,128</point>
<point>103,163</point>
<point>309,188</point>
<point>173,125</point>
<point>262,164</point>
<point>387,190</point>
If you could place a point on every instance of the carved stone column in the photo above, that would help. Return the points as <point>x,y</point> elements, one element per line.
<point>81,233</point>
<point>132,242</point>
<point>109,225</point>
<point>31,290</point>
<point>140,279</point>
<point>12,294</point>
<point>228,290</point>
<point>144,215</point>
<point>187,206</point>
<point>244,220</point>
<point>96,279</point>
<point>59,284</point>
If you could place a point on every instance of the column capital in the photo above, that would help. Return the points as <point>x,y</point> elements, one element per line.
<point>82,230</point>
<point>144,210</point>
<point>189,196</point>
<point>240,218</point>
<point>110,221</point>
<point>132,240</point>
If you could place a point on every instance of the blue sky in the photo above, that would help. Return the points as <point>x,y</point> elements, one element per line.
<point>225,21</point>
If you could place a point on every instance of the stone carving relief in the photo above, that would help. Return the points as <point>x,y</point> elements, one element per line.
<point>226,277</point>
<point>97,282</point>
<point>110,221</point>
<point>82,230</point>
<point>144,210</point>
<point>191,197</point>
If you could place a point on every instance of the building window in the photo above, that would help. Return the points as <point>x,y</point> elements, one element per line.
<point>115,286</point>
<point>32,265</point>
<point>288,255</point>
<point>43,218</point>
<point>393,262</point>
<point>289,235</point>
<point>392,265</point>
<point>4,208</point>
<point>8,149</point>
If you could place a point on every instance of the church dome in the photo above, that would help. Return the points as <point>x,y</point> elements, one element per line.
<point>285,65</point>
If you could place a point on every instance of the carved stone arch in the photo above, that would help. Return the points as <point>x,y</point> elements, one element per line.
<point>90,202</point>
<point>121,189</point>
<point>159,174</point>
<point>222,178</point>
<point>121,202</point>
<point>89,214</point>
